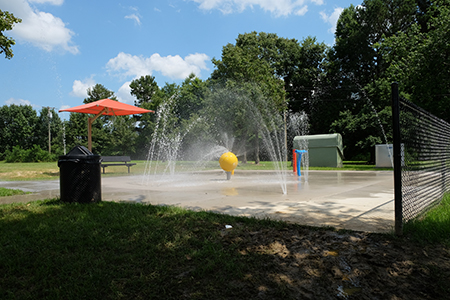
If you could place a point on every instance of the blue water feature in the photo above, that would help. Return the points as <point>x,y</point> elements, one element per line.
<point>299,160</point>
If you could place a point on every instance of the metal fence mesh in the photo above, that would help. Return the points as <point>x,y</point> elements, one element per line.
<point>425,159</point>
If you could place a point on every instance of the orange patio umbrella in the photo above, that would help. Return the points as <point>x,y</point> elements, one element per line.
<point>105,107</point>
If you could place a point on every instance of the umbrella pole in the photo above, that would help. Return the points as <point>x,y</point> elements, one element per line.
<point>90,134</point>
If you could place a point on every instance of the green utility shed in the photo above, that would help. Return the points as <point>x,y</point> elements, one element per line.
<point>324,150</point>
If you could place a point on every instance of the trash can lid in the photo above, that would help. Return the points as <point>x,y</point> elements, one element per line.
<point>80,152</point>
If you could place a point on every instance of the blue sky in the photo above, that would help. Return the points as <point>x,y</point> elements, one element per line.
<point>63,47</point>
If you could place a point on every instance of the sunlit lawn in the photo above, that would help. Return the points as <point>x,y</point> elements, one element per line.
<point>4,192</point>
<point>50,170</point>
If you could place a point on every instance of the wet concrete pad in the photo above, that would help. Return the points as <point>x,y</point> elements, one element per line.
<point>361,200</point>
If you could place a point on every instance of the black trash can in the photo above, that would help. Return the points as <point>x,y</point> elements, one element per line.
<point>80,176</point>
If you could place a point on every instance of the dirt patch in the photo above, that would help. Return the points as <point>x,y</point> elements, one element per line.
<point>328,264</point>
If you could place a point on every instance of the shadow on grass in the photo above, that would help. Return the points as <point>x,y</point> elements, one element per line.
<point>108,250</point>
<point>57,250</point>
<point>433,226</point>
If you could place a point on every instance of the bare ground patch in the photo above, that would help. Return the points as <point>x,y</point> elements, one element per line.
<point>327,264</point>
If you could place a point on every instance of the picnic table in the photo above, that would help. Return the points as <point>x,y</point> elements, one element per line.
<point>116,161</point>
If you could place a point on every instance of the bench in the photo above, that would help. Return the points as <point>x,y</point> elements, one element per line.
<point>116,161</point>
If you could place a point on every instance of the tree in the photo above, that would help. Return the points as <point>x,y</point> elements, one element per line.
<point>228,120</point>
<point>419,59</point>
<point>252,60</point>
<point>191,94</point>
<point>76,131</point>
<point>377,43</point>
<point>49,117</point>
<point>146,122</point>
<point>7,21</point>
<point>300,66</point>
<point>122,132</point>
<point>239,117</point>
<point>358,30</point>
<point>288,72</point>
<point>354,67</point>
<point>257,59</point>
<point>98,92</point>
<point>145,89</point>
<point>17,127</point>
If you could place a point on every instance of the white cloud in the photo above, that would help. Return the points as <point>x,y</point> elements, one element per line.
<point>64,115</point>
<point>124,95</point>
<point>174,67</point>
<point>134,17</point>
<point>39,28</point>
<point>276,7</point>
<point>54,2</point>
<point>302,11</point>
<point>332,18</point>
<point>15,101</point>
<point>79,88</point>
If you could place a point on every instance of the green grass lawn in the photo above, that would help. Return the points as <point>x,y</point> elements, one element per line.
<point>432,227</point>
<point>10,192</point>
<point>109,250</point>
<point>50,170</point>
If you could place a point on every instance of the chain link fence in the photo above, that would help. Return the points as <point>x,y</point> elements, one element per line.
<point>421,159</point>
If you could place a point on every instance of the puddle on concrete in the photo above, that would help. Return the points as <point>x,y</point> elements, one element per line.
<point>229,191</point>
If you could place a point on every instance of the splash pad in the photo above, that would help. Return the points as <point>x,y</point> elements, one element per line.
<point>183,169</point>
<point>249,125</point>
<point>350,200</point>
<point>360,200</point>
<point>342,199</point>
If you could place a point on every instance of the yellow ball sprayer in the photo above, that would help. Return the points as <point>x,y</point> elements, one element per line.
<point>228,162</point>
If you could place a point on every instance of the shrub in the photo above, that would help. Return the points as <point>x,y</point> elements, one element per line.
<point>35,154</point>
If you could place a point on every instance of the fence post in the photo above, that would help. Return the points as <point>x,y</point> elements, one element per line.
<point>397,160</point>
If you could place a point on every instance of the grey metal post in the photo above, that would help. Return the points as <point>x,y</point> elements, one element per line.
<point>397,160</point>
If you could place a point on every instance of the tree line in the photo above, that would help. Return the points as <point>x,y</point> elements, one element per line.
<point>344,88</point>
